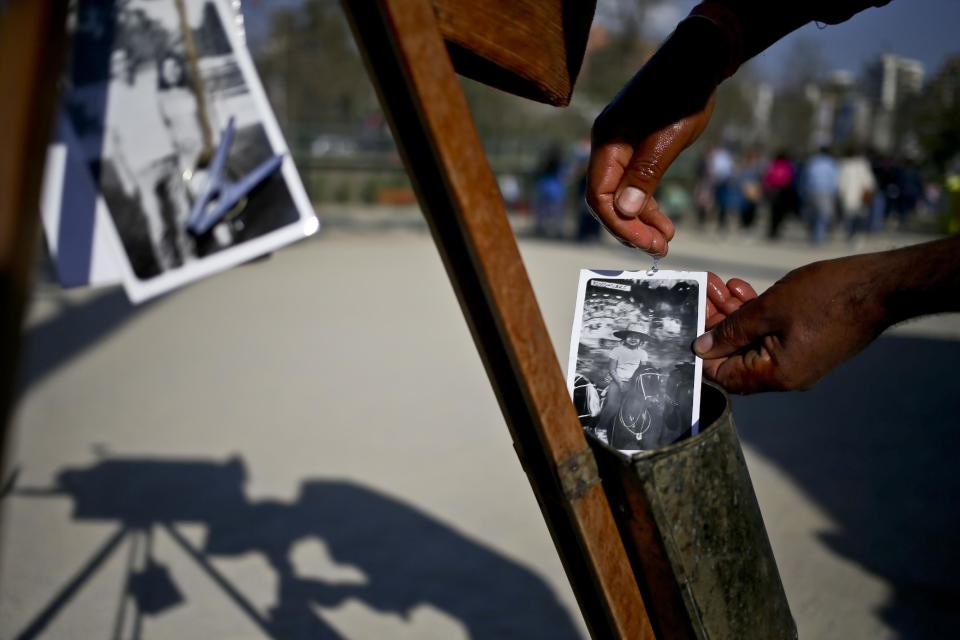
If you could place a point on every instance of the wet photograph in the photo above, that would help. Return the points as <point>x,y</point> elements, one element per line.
<point>634,378</point>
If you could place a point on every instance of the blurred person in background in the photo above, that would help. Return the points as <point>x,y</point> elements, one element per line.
<point>857,186</point>
<point>910,186</point>
<point>588,227</point>
<point>549,194</point>
<point>749,180</point>
<point>780,190</point>
<point>888,191</point>
<point>702,191</point>
<point>720,168</point>
<point>510,190</point>
<point>820,189</point>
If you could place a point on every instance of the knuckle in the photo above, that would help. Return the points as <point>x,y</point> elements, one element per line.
<point>738,382</point>
<point>645,170</point>
<point>728,331</point>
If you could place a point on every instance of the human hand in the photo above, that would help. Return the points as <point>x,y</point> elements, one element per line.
<point>659,113</point>
<point>804,325</point>
<point>631,150</point>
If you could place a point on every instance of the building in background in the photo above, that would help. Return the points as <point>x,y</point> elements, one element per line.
<point>864,112</point>
<point>888,83</point>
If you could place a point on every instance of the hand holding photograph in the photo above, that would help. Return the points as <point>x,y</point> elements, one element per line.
<point>632,373</point>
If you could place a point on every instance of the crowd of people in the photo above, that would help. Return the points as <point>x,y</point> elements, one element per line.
<point>850,191</point>
<point>849,194</point>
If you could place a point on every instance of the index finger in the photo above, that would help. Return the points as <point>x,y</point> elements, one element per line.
<point>749,371</point>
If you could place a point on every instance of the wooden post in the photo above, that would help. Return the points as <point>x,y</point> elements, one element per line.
<point>32,39</point>
<point>418,88</point>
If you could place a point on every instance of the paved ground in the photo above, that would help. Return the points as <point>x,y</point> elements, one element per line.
<point>308,447</point>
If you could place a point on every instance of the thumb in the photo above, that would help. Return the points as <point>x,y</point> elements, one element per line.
<point>640,179</point>
<point>743,327</point>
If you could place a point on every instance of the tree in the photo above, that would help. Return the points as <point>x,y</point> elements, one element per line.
<point>794,106</point>
<point>312,70</point>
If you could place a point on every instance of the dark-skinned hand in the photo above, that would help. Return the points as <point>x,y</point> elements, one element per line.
<point>661,111</point>
<point>788,338</point>
<point>627,163</point>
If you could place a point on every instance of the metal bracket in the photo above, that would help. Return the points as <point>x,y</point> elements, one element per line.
<point>578,473</point>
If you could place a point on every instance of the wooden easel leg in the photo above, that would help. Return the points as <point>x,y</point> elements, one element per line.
<point>431,122</point>
<point>32,40</point>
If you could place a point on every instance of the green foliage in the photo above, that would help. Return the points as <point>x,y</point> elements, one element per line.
<point>342,193</point>
<point>369,189</point>
<point>312,70</point>
<point>317,187</point>
<point>608,68</point>
<point>500,117</point>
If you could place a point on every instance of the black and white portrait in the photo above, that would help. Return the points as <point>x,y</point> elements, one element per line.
<point>632,373</point>
<point>153,89</point>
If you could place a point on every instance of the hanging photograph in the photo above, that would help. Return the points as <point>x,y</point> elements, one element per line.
<point>183,147</point>
<point>632,373</point>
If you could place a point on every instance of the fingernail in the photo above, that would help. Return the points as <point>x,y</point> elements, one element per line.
<point>704,343</point>
<point>631,200</point>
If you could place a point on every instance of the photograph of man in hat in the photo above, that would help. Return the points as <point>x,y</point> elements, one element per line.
<point>625,359</point>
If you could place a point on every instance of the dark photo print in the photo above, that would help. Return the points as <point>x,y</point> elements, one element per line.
<point>634,379</point>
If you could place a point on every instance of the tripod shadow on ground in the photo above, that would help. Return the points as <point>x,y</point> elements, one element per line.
<point>407,559</point>
<point>875,445</point>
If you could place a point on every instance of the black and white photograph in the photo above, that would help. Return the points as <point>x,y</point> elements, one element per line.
<point>172,119</point>
<point>632,373</point>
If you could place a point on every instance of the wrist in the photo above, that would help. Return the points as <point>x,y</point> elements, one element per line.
<point>749,27</point>
<point>702,49</point>
<point>880,273</point>
<point>727,24</point>
<point>921,279</point>
<point>679,69</point>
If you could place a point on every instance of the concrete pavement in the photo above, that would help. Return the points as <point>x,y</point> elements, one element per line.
<point>308,447</point>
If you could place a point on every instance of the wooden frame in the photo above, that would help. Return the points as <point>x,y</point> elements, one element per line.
<point>531,48</point>
<point>407,57</point>
<point>32,40</point>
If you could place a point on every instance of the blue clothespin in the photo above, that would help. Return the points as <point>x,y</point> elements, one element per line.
<point>220,195</point>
